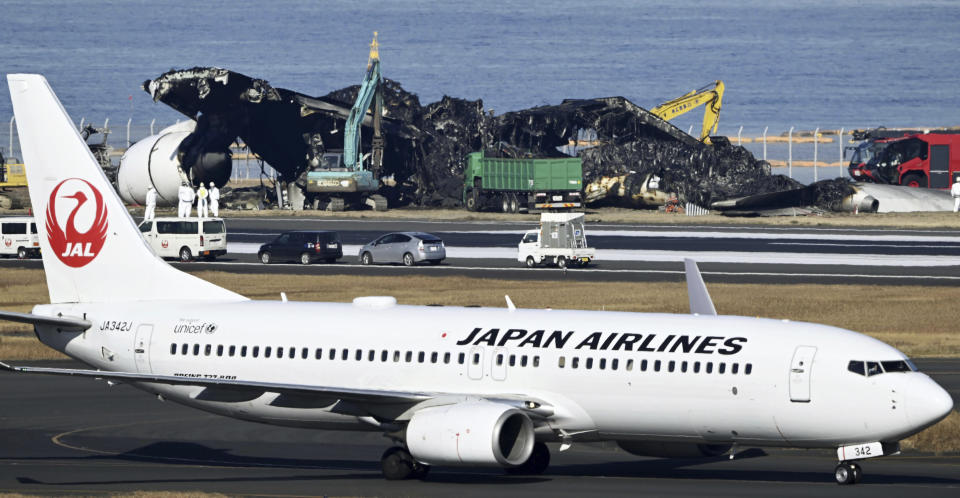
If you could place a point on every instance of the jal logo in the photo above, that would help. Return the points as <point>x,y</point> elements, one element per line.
<point>164,244</point>
<point>76,222</point>
<point>8,242</point>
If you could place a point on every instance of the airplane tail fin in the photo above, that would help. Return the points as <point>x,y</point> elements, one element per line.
<point>92,249</point>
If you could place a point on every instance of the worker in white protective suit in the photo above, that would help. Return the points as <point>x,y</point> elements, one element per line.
<point>202,201</point>
<point>149,210</point>
<point>185,197</point>
<point>214,200</point>
<point>955,192</point>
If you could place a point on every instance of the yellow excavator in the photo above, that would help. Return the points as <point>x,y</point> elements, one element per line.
<point>13,185</point>
<point>710,95</point>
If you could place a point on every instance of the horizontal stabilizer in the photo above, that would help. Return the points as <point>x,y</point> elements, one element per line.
<point>61,322</point>
<point>700,302</point>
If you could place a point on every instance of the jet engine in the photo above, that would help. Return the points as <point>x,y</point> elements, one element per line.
<point>470,433</point>
<point>165,160</point>
<point>673,450</point>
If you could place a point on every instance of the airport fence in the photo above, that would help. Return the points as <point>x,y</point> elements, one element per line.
<point>806,156</point>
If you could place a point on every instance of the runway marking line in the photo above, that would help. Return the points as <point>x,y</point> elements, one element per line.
<point>585,270</point>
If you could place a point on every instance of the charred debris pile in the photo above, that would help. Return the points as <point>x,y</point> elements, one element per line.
<point>426,145</point>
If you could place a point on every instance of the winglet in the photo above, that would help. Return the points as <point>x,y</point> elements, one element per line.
<point>510,305</point>
<point>700,302</point>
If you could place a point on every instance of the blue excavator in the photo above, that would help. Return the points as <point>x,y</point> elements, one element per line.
<point>340,180</point>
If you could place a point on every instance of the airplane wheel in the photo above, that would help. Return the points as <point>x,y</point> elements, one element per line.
<point>857,473</point>
<point>914,180</point>
<point>536,464</point>
<point>531,263</point>
<point>397,464</point>
<point>844,473</point>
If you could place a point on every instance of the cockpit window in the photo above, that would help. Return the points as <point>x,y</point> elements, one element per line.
<point>896,366</point>
<point>871,368</point>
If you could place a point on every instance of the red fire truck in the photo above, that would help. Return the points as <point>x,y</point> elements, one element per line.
<point>915,160</point>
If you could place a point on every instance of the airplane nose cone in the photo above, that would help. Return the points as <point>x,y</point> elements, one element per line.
<point>929,403</point>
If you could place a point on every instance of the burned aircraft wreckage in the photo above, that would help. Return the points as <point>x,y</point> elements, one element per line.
<point>426,145</point>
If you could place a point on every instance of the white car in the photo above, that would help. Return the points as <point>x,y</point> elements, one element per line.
<point>18,235</point>
<point>186,238</point>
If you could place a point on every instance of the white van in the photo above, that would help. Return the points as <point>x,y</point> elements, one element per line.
<point>186,238</point>
<point>18,235</point>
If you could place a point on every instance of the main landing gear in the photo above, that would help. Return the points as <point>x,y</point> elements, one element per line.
<point>397,464</point>
<point>847,473</point>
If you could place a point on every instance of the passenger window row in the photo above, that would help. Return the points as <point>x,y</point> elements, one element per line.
<point>696,367</point>
<point>342,354</point>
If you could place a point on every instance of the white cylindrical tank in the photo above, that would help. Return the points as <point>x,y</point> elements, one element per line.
<point>152,161</point>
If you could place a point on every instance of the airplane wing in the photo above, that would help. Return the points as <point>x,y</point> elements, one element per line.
<point>359,396</point>
<point>366,395</point>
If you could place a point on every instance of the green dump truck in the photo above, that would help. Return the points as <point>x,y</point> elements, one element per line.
<point>514,184</point>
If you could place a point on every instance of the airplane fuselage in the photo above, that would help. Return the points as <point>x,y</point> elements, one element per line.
<point>608,376</point>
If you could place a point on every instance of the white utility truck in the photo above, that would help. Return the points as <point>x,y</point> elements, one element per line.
<point>18,236</point>
<point>186,238</point>
<point>560,241</point>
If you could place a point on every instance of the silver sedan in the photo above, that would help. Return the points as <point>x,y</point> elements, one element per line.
<point>408,248</point>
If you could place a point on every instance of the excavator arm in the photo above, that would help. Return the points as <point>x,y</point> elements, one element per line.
<point>710,95</point>
<point>370,92</point>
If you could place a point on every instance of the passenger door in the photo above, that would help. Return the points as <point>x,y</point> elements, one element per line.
<point>401,244</point>
<point>381,249</point>
<point>800,369</point>
<point>279,247</point>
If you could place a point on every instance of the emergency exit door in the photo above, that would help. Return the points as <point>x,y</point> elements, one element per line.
<point>498,364</point>
<point>475,363</point>
<point>141,348</point>
<point>800,369</point>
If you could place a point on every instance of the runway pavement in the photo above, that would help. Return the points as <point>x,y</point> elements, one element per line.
<point>628,252</point>
<point>78,436</point>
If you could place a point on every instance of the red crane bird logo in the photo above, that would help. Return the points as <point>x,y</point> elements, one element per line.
<point>72,247</point>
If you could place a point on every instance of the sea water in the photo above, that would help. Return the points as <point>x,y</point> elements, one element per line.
<point>804,64</point>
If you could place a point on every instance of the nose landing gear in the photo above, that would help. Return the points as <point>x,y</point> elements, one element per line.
<point>847,473</point>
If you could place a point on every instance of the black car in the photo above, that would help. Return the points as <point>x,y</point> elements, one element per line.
<point>304,246</point>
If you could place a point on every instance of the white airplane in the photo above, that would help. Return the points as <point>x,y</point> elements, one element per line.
<point>449,385</point>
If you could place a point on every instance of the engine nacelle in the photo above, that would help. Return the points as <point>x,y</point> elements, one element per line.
<point>155,161</point>
<point>470,433</point>
<point>152,161</point>
<point>673,450</point>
